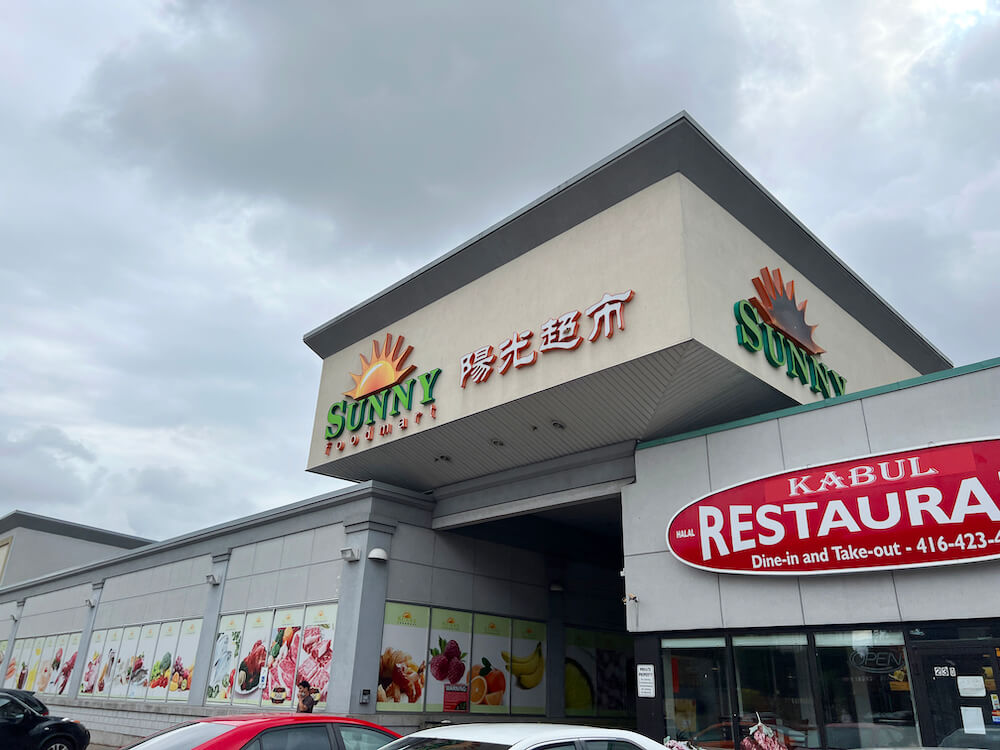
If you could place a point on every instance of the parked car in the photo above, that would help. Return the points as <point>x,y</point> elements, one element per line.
<point>25,724</point>
<point>270,732</point>
<point>523,737</point>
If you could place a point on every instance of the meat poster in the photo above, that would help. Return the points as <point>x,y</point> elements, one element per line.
<point>45,666</point>
<point>13,674</point>
<point>138,681</point>
<point>159,670</point>
<point>527,668</point>
<point>112,645</point>
<point>92,666</point>
<point>67,665</point>
<point>488,689</point>
<point>34,661</point>
<point>448,660</point>
<point>282,654</point>
<point>317,650</point>
<point>222,671</point>
<point>182,670</point>
<point>125,662</point>
<point>402,666</point>
<point>252,665</point>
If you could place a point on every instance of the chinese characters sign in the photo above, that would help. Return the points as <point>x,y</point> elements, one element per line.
<point>555,334</point>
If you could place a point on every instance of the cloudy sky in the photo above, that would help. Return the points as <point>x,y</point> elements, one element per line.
<point>188,187</point>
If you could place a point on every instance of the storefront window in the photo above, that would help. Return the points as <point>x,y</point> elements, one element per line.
<point>696,691</point>
<point>865,682</point>
<point>772,684</point>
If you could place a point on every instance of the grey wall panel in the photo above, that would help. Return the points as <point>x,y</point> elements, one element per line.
<point>296,549</point>
<point>855,598</point>
<point>409,582</point>
<point>956,590</point>
<point>671,595</point>
<point>527,566</point>
<point>529,601</point>
<point>491,559</point>
<point>267,556</point>
<point>413,544</point>
<point>293,584</point>
<point>453,551</point>
<point>490,595</point>
<point>31,555</point>
<point>6,623</point>
<point>758,602</point>
<point>235,595</point>
<point>241,561</point>
<point>327,542</point>
<point>806,437</point>
<point>451,588</point>
<point>324,581</point>
<point>263,589</point>
<point>744,453</point>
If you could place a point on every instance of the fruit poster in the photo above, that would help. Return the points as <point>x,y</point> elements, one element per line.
<point>252,665</point>
<point>34,661</point>
<point>45,667</point>
<point>92,665</point>
<point>317,651</point>
<point>67,664</point>
<point>17,667</point>
<point>580,672</point>
<point>526,667</point>
<point>138,681</point>
<point>8,653</point>
<point>488,688</point>
<point>222,671</point>
<point>402,669</point>
<point>159,670</point>
<point>125,662</point>
<point>614,652</point>
<point>282,655</point>
<point>3,655</point>
<point>182,670</point>
<point>112,647</point>
<point>448,661</point>
<point>55,664</point>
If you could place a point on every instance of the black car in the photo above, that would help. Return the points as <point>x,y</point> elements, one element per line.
<point>25,724</point>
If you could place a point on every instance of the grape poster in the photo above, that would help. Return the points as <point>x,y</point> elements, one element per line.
<point>182,670</point>
<point>489,691</point>
<point>222,671</point>
<point>527,668</point>
<point>317,650</point>
<point>402,669</point>
<point>448,661</point>
<point>251,668</point>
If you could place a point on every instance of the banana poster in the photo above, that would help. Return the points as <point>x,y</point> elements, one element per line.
<point>526,665</point>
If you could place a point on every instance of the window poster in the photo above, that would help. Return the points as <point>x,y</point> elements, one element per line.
<point>282,654</point>
<point>159,671</point>
<point>34,661</point>
<point>581,672</point>
<point>222,671</point>
<point>55,664</point>
<point>92,666</point>
<point>182,670</point>
<point>45,667</point>
<point>317,650</point>
<point>11,667</point>
<point>448,661</point>
<point>19,659</point>
<point>612,655</point>
<point>402,666</point>
<point>3,651</point>
<point>125,662</point>
<point>112,646</point>
<point>488,688</point>
<point>526,666</point>
<point>67,663</point>
<point>250,670</point>
<point>138,681</point>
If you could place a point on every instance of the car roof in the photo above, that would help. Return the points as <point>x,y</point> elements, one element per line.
<point>268,720</point>
<point>513,733</point>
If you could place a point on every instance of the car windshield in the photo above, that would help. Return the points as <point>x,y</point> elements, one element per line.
<point>184,737</point>
<point>435,743</point>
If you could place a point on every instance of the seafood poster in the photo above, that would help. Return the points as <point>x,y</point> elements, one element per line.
<point>252,665</point>
<point>489,691</point>
<point>125,662</point>
<point>13,673</point>
<point>581,672</point>
<point>282,654</point>
<point>34,661</point>
<point>223,669</point>
<point>614,655</point>
<point>159,670</point>
<point>402,669</point>
<point>68,663</point>
<point>448,660</point>
<point>526,667</point>
<point>92,666</point>
<point>45,666</point>
<point>182,670</point>
<point>138,680</point>
<point>317,650</point>
<point>55,663</point>
<point>112,645</point>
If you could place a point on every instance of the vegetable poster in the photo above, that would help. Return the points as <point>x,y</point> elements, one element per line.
<point>45,667</point>
<point>282,653</point>
<point>138,681</point>
<point>488,689</point>
<point>34,661</point>
<point>581,672</point>
<point>317,650</point>
<point>93,664</point>
<point>159,671</point>
<point>67,664</point>
<point>112,645</point>
<point>250,671</point>
<point>125,662</point>
<point>448,661</point>
<point>222,671</point>
<point>526,666</point>
<point>402,666</point>
<point>182,670</point>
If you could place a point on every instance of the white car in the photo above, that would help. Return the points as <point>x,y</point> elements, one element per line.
<point>502,736</point>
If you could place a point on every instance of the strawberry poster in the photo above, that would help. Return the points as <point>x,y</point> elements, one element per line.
<point>182,670</point>
<point>92,667</point>
<point>251,670</point>
<point>67,664</point>
<point>282,654</point>
<point>448,661</point>
<point>580,672</point>
<point>222,671</point>
<point>138,681</point>
<point>34,661</point>
<point>402,669</point>
<point>526,666</point>
<point>125,662</point>
<point>112,645</point>
<point>45,667</point>
<point>488,689</point>
<point>159,671</point>
<point>317,650</point>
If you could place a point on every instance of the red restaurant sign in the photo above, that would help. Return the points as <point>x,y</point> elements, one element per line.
<point>927,506</point>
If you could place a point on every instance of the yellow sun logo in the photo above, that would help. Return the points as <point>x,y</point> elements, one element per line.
<point>383,370</point>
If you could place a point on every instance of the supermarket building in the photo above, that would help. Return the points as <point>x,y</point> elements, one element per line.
<point>609,468</point>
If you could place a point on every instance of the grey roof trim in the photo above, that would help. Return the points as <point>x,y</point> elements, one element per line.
<point>678,145</point>
<point>24,520</point>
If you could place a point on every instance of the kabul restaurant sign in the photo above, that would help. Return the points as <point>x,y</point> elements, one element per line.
<point>916,508</point>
